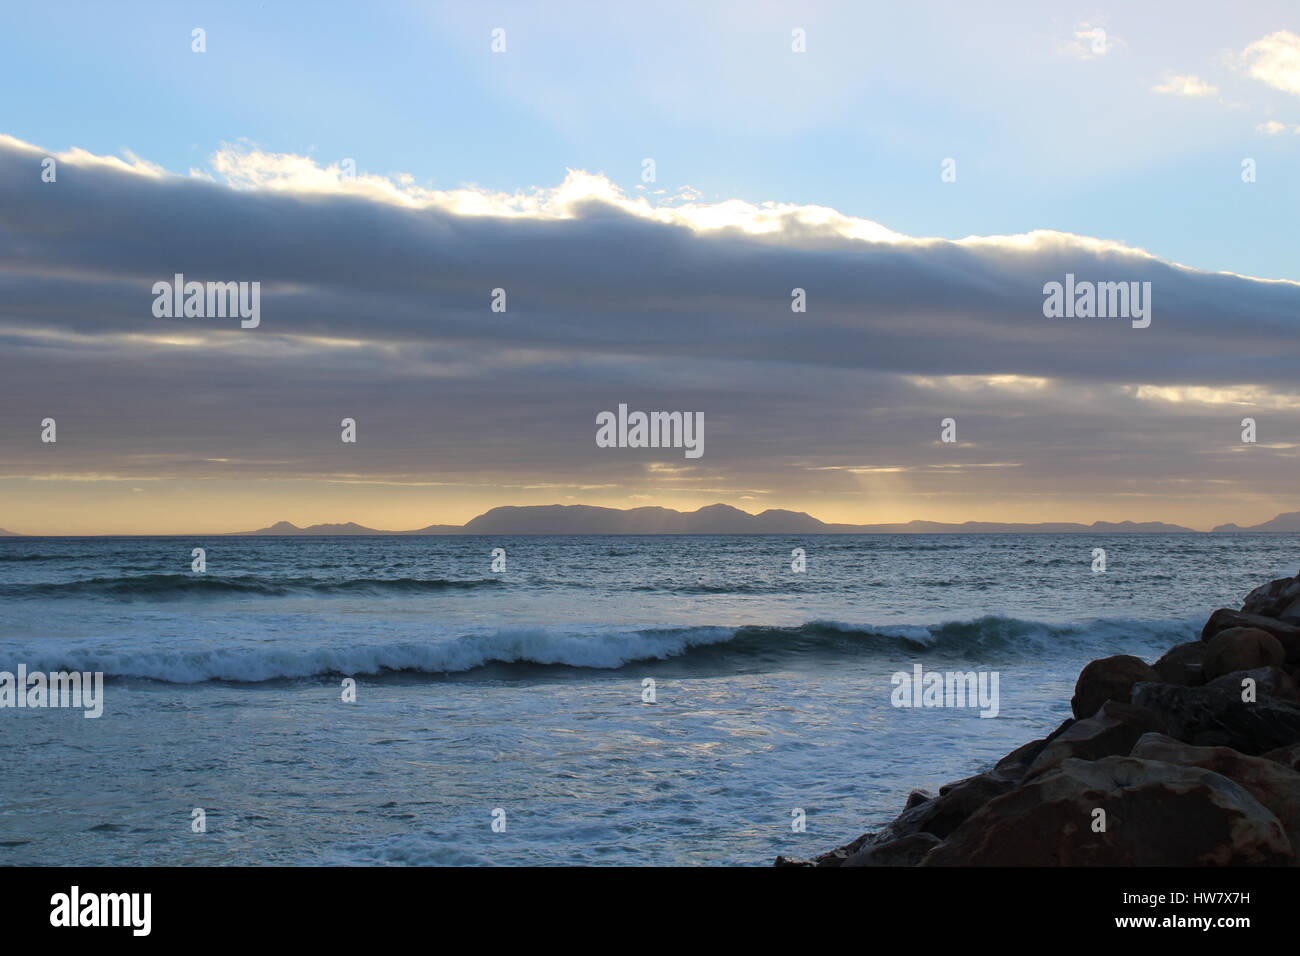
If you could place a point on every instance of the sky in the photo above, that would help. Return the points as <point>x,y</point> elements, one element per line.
<point>920,173</point>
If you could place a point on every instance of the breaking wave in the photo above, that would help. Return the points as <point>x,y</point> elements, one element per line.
<point>175,586</point>
<point>986,639</point>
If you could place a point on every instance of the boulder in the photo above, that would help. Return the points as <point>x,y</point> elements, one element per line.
<point>1111,732</point>
<point>1218,717</point>
<point>834,857</point>
<point>1272,681</point>
<point>1273,785</point>
<point>916,798</point>
<point>1288,635</point>
<point>1183,664</point>
<point>841,853</point>
<point>1287,756</point>
<point>1279,599</point>
<point>1241,649</point>
<point>1018,761</point>
<point>935,816</point>
<point>947,811</point>
<point>1110,678</point>
<point>1157,814</point>
<point>905,851</point>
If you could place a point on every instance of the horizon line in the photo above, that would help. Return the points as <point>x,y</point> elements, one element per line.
<point>831,527</point>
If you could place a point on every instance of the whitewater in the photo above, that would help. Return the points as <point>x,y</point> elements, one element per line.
<point>525,690</point>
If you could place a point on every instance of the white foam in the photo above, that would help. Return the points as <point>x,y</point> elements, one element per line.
<point>260,663</point>
<point>603,649</point>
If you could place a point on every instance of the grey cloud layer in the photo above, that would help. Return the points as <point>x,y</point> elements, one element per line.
<point>604,307</point>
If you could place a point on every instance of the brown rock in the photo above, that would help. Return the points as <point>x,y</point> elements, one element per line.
<point>1288,635</point>
<point>1290,613</point>
<point>1183,664</point>
<point>935,816</point>
<point>1272,681</point>
<point>834,857</point>
<point>1111,732</point>
<point>943,814</point>
<point>1157,814</point>
<point>1286,756</point>
<point>905,851</point>
<point>1018,761</point>
<point>1241,649</point>
<point>1276,599</point>
<point>916,798</point>
<point>1274,786</point>
<point>1110,678</point>
<point>1218,717</point>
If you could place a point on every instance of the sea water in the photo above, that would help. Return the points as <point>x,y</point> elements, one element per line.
<point>601,700</point>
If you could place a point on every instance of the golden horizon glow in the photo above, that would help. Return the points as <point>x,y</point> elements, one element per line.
<point>118,505</point>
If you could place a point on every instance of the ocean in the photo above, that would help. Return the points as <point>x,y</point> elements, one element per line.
<point>505,716</point>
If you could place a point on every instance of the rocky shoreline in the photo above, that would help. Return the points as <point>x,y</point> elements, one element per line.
<point>1191,761</point>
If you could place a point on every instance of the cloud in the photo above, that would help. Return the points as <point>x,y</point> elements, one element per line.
<point>375,305</point>
<point>1244,395</point>
<point>250,169</point>
<point>1273,128</point>
<point>1181,85</point>
<point>1275,60</point>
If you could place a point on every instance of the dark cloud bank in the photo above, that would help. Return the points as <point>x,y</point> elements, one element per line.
<point>380,312</point>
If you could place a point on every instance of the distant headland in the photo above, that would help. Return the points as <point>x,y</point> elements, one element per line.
<point>724,519</point>
<point>712,519</point>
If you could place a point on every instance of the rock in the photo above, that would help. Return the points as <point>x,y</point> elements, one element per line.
<point>1110,678</point>
<point>1183,664</point>
<point>1218,717</point>
<point>1279,599</point>
<point>935,816</point>
<point>834,857</point>
<point>1272,681</point>
<point>1022,756</point>
<point>1157,814</point>
<point>1286,756</point>
<point>1111,732</point>
<point>1241,649</point>
<point>943,814</point>
<point>1288,635</point>
<point>1274,786</point>
<point>841,853</point>
<point>1018,761</point>
<point>916,798</point>
<point>929,818</point>
<point>905,851</point>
